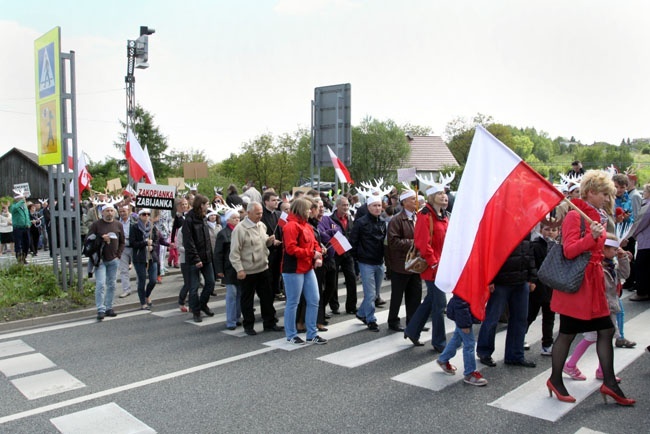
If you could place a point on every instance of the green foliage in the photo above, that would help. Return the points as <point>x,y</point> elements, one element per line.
<point>378,149</point>
<point>20,284</point>
<point>646,150</point>
<point>101,172</point>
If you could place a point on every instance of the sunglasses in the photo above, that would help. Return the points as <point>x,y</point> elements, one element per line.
<point>145,213</point>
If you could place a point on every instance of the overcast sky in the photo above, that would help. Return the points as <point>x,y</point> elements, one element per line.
<point>225,72</point>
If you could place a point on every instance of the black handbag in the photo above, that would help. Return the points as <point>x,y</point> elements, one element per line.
<point>558,272</point>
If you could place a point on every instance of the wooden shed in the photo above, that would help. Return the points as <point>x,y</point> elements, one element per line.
<point>18,166</point>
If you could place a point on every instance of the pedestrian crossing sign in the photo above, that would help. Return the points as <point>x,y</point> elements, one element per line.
<point>47,52</point>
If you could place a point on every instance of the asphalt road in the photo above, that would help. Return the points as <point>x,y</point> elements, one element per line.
<point>160,372</point>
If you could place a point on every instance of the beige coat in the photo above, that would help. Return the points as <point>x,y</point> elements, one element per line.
<point>248,247</point>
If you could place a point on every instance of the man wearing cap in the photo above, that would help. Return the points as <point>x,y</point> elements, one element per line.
<point>403,283</point>
<point>367,240</point>
<point>21,223</point>
<point>110,232</point>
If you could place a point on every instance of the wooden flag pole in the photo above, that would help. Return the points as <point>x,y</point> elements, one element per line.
<point>579,210</point>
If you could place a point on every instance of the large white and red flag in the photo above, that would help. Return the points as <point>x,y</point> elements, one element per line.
<point>341,171</point>
<point>500,198</point>
<point>340,243</point>
<point>138,160</point>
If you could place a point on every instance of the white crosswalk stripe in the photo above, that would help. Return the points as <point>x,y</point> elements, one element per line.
<point>531,398</point>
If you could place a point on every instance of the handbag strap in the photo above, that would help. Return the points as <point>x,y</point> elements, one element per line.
<point>582,226</point>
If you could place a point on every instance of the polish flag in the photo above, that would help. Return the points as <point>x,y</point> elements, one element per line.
<point>500,198</point>
<point>339,167</point>
<point>340,243</point>
<point>283,219</point>
<point>138,160</point>
<point>84,176</point>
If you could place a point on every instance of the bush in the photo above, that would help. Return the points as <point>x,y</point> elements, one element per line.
<point>19,284</point>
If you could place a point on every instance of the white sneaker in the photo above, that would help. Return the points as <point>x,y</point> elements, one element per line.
<point>547,351</point>
<point>125,294</point>
<point>526,346</point>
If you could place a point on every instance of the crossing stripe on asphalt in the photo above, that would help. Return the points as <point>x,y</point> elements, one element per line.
<point>430,376</point>
<point>113,418</point>
<point>531,398</point>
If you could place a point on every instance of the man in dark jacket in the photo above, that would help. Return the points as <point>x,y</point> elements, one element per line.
<point>367,240</point>
<point>198,256</point>
<point>345,262</point>
<point>511,287</point>
<point>270,217</point>
<point>402,282</point>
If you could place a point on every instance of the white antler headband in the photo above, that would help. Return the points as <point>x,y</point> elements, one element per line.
<point>436,187</point>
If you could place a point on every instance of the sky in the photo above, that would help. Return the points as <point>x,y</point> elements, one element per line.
<point>225,72</point>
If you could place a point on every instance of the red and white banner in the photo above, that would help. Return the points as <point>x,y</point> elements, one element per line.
<point>340,169</point>
<point>500,198</point>
<point>340,243</point>
<point>83,174</point>
<point>138,160</point>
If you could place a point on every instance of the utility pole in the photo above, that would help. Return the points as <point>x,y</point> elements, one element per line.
<point>137,54</point>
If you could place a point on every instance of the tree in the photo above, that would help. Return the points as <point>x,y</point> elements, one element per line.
<point>416,130</point>
<point>378,149</point>
<point>150,137</point>
<point>101,172</point>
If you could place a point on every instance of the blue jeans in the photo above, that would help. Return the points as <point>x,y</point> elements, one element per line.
<point>142,272</point>
<point>296,284</point>
<point>468,342</point>
<point>196,302</point>
<point>371,278</point>
<point>105,280</point>
<point>516,297</point>
<point>233,304</point>
<point>433,304</point>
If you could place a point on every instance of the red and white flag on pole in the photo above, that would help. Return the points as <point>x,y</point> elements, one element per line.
<point>84,176</point>
<point>339,168</point>
<point>138,160</point>
<point>500,198</point>
<point>340,243</point>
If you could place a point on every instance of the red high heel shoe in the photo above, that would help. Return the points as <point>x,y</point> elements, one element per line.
<point>563,398</point>
<point>604,390</point>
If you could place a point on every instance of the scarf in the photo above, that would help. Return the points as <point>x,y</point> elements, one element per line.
<point>212,225</point>
<point>146,230</point>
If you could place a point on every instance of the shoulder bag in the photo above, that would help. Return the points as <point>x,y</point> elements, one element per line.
<point>560,273</point>
<point>414,263</point>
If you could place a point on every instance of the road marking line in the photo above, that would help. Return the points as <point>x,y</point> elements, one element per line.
<point>126,387</point>
<point>69,325</point>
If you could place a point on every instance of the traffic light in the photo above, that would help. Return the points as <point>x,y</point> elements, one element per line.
<point>142,47</point>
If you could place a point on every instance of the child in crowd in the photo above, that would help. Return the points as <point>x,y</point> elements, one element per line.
<point>540,297</point>
<point>459,312</point>
<point>614,273</point>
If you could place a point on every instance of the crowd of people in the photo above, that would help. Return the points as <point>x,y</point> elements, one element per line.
<point>280,246</point>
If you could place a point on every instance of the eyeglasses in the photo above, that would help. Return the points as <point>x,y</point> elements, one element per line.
<point>146,213</point>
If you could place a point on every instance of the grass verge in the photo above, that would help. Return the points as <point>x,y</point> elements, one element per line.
<point>33,290</point>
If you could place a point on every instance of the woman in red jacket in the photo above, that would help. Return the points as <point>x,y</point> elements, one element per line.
<point>300,255</point>
<point>587,309</point>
